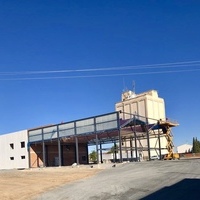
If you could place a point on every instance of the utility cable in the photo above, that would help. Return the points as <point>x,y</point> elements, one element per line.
<point>150,66</point>
<point>96,76</point>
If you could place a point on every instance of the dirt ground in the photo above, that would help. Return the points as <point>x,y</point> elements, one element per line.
<point>150,180</point>
<point>26,184</point>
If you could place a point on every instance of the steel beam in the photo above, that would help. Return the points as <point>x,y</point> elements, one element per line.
<point>76,141</point>
<point>43,150</point>
<point>59,148</point>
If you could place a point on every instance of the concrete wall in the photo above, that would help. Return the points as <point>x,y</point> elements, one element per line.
<point>184,148</point>
<point>13,150</point>
<point>146,104</point>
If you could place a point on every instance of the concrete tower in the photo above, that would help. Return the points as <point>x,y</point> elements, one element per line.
<point>146,104</point>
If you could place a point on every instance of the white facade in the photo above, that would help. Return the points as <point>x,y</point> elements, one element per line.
<point>184,148</point>
<point>14,146</point>
<point>146,104</point>
<point>13,150</point>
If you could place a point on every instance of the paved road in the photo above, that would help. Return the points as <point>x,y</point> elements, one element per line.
<point>145,180</point>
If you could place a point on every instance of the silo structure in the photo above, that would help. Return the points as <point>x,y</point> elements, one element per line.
<point>147,105</point>
<point>149,108</point>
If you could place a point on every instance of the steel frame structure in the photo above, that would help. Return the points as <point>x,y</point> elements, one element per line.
<point>107,128</point>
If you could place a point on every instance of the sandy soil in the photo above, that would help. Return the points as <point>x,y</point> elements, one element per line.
<point>155,180</point>
<point>26,184</point>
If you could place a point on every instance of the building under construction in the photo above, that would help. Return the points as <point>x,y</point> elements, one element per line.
<point>138,126</point>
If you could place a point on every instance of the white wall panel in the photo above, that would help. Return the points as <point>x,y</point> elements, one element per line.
<point>134,108</point>
<point>127,110</point>
<point>142,109</point>
<point>16,157</point>
<point>161,107</point>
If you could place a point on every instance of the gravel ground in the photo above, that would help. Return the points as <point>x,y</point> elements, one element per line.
<point>144,180</point>
<point>26,184</point>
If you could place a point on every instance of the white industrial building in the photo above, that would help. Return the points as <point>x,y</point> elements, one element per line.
<point>14,151</point>
<point>148,106</point>
<point>184,148</point>
<point>138,126</point>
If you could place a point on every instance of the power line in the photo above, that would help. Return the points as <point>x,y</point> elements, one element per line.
<point>150,66</point>
<point>96,76</point>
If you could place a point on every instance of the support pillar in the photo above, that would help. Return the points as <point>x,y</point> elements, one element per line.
<point>59,148</point>
<point>126,149</point>
<point>97,149</point>
<point>120,148</point>
<point>115,152</point>
<point>131,147</point>
<point>97,141</point>
<point>43,150</point>
<point>120,140</point>
<point>136,149</point>
<point>135,138</point>
<point>101,157</point>
<point>159,144</point>
<point>29,153</point>
<point>76,142</point>
<point>148,141</point>
<point>77,152</point>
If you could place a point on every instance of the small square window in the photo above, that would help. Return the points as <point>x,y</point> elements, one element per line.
<point>12,145</point>
<point>11,158</point>
<point>23,157</point>
<point>22,144</point>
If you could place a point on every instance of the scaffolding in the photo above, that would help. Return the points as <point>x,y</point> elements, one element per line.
<point>159,131</point>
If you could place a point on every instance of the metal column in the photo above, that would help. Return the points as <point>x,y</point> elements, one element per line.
<point>59,148</point>
<point>136,149</point>
<point>76,141</point>
<point>148,141</point>
<point>97,141</point>
<point>29,154</point>
<point>120,141</point>
<point>135,138</point>
<point>97,150</point>
<point>101,157</point>
<point>77,152</point>
<point>43,150</point>
<point>159,144</point>
<point>131,145</point>
<point>126,149</point>
<point>29,151</point>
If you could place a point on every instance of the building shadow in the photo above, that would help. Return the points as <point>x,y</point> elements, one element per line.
<point>185,189</point>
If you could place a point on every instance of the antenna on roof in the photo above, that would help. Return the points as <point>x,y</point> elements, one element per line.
<point>125,88</point>
<point>133,85</point>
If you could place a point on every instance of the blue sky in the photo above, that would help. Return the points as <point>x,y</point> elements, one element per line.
<point>77,35</point>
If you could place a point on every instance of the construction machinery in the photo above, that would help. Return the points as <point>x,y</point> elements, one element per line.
<point>166,128</point>
<point>171,156</point>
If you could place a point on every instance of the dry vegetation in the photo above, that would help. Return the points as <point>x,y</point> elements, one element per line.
<point>26,184</point>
